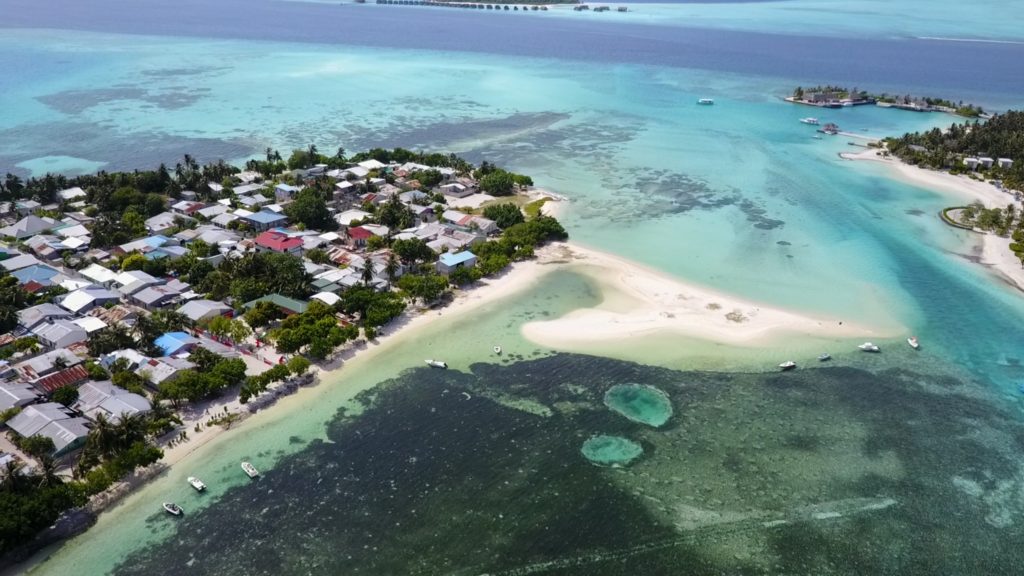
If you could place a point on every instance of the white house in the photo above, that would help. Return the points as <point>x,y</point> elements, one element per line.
<point>971,163</point>
<point>70,194</point>
<point>60,333</point>
<point>1005,163</point>
<point>985,162</point>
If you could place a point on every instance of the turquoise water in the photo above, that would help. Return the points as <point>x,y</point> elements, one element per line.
<point>611,450</point>
<point>639,403</point>
<point>737,197</point>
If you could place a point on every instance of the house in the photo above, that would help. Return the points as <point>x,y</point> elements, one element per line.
<point>1005,163</point>
<point>65,377</point>
<point>16,394</point>
<point>358,236</point>
<point>202,310</point>
<point>265,220</point>
<point>224,219</point>
<point>348,216</point>
<point>153,297</point>
<point>356,173</point>
<point>285,192</point>
<point>413,196</point>
<point>134,280</point>
<point>29,227</point>
<point>985,162</point>
<point>72,230</point>
<point>159,370</point>
<point>100,275</point>
<point>45,246</point>
<point>29,318</point>
<point>103,398</point>
<point>40,274</point>
<point>114,315</point>
<point>173,343</point>
<point>19,261</point>
<point>286,304</point>
<point>26,207</point>
<point>971,163</point>
<point>90,323</point>
<point>449,261</point>
<point>344,187</point>
<point>276,241</point>
<point>70,194</point>
<point>187,207</point>
<point>54,422</point>
<point>59,333</point>
<point>163,221</point>
<point>213,211</point>
<point>145,245</point>
<point>85,299</point>
<point>328,298</point>
<point>372,164</point>
<point>39,366</point>
<point>456,190</point>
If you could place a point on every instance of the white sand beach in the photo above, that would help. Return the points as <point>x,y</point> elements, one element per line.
<point>640,302</point>
<point>992,251</point>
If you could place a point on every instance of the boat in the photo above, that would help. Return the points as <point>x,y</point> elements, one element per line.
<point>824,357</point>
<point>787,365</point>
<point>172,508</point>
<point>914,343</point>
<point>250,470</point>
<point>706,101</point>
<point>497,350</point>
<point>196,483</point>
<point>813,121</point>
<point>869,347</point>
<point>436,364</point>
<point>816,136</point>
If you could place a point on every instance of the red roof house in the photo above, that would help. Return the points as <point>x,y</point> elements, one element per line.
<point>276,241</point>
<point>358,235</point>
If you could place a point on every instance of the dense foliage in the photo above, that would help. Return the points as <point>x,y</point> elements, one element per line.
<point>1002,136</point>
<point>504,215</point>
<point>316,331</point>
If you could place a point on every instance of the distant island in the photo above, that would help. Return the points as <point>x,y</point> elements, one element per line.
<point>841,97</point>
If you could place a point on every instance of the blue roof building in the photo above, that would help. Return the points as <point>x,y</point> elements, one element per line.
<point>173,343</point>
<point>265,220</point>
<point>451,260</point>
<point>43,275</point>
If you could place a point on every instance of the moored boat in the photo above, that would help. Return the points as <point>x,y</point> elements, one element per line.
<point>172,508</point>
<point>787,365</point>
<point>869,347</point>
<point>250,470</point>
<point>196,483</point>
<point>706,101</point>
<point>824,357</point>
<point>914,343</point>
<point>809,120</point>
<point>436,363</point>
<point>497,350</point>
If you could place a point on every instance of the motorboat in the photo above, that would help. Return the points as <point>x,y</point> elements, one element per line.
<point>250,470</point>
<point>497,350</point>
<point>824,357</point>
<point>172,509</point>
<point>914,343</point>
<point>869,347</point>
<point>812,121</point>
<point>436,364</point>
<point>787,365</point>
<point>196,483</point>
<point>706,101</point>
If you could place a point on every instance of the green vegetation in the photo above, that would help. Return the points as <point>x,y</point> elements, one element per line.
<point>504,215</point>
<point>211,376</point>
<point>309,208</point>
<point>66,395</point>
<point>498,182</point>
<point>1002,136</point>
<point>255,275</point>
<point>315,331</point>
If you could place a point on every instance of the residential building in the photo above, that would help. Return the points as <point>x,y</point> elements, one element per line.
<point>286,304</point>
<point>163,221</point>
<point>358,236</point>
<point>285,192</point>
<point>52,421</point>
<point>202,310</point>
<point>449,261</point>
<point>70,194</point>
<point>31,317</point>
<point>112,402</point>
<point>187,207</point>
<point>19,261</point>
<point>16,394</point>
<point>276,241</point>
<point>173,343</point>
<point>59,333</point>
<point>82,300</point>
<point>348,216</point>
<point>265,220</point>
<point>1005,163</point>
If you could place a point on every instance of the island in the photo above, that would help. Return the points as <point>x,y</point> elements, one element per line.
<point>828,96</point>
<point>138,309</point>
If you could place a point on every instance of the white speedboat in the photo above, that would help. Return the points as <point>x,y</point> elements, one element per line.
<point>436,364</point>
<point>812,121</point>
<point>497,350</point>
<point>787,365</point>
<point>869,347</point>
<point>250,470</point>
<point>172,508</point>
<point>196,483</point>
<point>706,101</point>
<point>914,343</point>
<point>824,357</point>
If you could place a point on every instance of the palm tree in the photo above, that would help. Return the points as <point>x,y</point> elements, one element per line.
<point>313,154</point>
<point>367,275</point>
<point>391,268</point>
<point>103,437</point>
<point>12,480</point>
<point>270,154</point>
<point>48,467</point>
<point>130,429</point>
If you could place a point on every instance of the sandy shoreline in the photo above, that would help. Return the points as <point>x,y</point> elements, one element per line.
<point>992,251</point>
<point>640,302</point>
